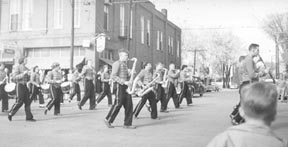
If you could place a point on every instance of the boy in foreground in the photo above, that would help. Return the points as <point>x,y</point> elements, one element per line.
<point>259,108</point>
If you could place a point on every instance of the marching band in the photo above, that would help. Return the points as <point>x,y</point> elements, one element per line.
<point>158,86</point>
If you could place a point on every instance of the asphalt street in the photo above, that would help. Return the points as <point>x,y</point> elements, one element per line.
<point>191,126</point>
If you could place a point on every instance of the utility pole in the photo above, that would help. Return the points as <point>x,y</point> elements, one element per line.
<point>72,36</point>
<point>195,53</point>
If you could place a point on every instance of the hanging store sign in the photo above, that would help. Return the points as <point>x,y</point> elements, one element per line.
<point>101,41</point>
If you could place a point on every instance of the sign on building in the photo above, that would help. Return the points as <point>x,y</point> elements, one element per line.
<point>101,40</point>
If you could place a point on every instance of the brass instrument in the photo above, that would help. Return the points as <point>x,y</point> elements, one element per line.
<point>165,80</point>
<point>146,89</point>
<point>261,66</point>
<point>131,88</point>
<point>3,81</point>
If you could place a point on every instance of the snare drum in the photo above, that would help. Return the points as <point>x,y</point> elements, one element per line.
<point>10,88</point>
<point>65,87</point>
<point>45,88</point>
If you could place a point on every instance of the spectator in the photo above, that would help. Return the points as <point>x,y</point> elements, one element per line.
<point>259,108</point>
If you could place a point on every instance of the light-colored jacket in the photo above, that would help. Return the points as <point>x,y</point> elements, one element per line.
<point>247,135</point>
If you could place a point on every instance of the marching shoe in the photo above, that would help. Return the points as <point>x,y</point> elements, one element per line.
<point>80,108</point>
<point>45,112</point>
<point>108,124</point>
<point>129,127</point>
<point>31,120</point>
<point>10,117</point>
<point>164,111</point>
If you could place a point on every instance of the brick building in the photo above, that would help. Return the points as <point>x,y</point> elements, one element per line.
<point>41,30</point>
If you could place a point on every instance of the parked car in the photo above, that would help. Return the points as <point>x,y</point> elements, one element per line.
<point>196,86</point>
<point>212,87</point>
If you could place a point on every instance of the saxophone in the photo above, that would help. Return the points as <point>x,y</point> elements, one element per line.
<point>165,80</point>
<point>131,87</point>
<point>146,89</point>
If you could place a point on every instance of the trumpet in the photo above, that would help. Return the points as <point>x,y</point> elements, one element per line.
<point>148,88</point>
<point>131,88</point>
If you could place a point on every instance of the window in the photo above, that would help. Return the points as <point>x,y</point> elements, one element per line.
<point>131,25</point>
<point>148,33</point>
<point>77,14</point>
<point>58,14</point>
<point>178,48</point>
<point>161,41</point>
<point>37,52</point>
<point>65,52</point>
<point>158,40</point>
<point>110,55</point>
<point>122,20</point>
<point>82,51</point>
<point>14,14</point>
<point>55,52</point>
<point>142,29</point>
<point>106,17</point>
<point>27,14</point>
<point>171,45</point>
<point>29,52</point>
<point>45,52</point>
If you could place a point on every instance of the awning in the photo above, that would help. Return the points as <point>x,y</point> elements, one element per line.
<point>107,61</point>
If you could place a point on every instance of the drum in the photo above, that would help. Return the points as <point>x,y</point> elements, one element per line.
<point>65,87</point>
<point>10,88</point>
<point>45,88</point>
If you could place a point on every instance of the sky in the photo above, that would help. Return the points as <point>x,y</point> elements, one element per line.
<point>243,17</point>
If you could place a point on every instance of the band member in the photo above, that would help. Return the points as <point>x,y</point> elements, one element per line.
<point>106,91</point>
<point>160,91</point>
<point>144,79</point>
<point>35,86</point>
<point>88,73</point>
<point>120,75</point>
<point>3,94</point>
<point>75,85</point>
<point>54,78</point>
<point>185,91</point>
<point>249,74</point>
<point>172,77</point>
<point>21,77</point>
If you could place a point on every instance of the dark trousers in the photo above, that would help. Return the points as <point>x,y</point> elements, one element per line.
<point>22,96</point>
<point>56,94</point>
<point>36,91</point>
<point>125,100</point>
<point>185,92</point>
<point>4,97</point>
<point>235,115</point>
<point>152,101</point>
<point>172,93</point>
<point>89,93</point>
<point>105,92</point>
<point>75,91</point>
<point>161,96</point>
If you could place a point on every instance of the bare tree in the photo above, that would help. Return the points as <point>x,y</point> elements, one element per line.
<point>221,52</point>
<point>276,26</point>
